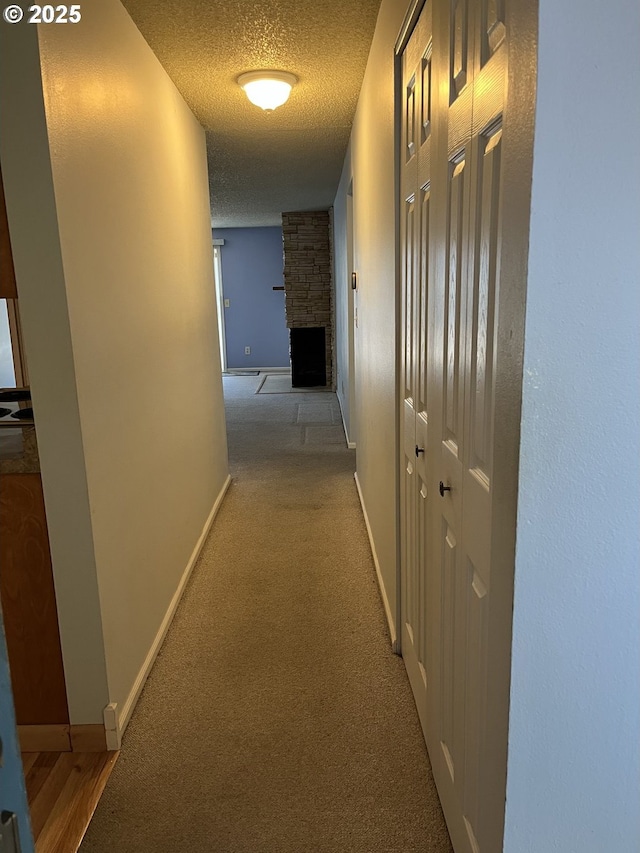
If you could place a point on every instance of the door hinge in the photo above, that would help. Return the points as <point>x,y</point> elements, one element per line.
<point>9,834</point>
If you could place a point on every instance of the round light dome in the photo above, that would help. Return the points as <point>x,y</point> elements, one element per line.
<point>267,89</point>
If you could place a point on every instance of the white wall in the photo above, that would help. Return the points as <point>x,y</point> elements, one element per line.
<point>139,341</point>
<point>574,750</point>
<point>372,165</point>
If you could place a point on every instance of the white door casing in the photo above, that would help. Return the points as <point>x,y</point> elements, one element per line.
<point>416,450</point>
<point>217,277</point>
<point>351,322</point>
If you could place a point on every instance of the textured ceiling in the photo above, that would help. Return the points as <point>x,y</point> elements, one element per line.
<point>261,164</point>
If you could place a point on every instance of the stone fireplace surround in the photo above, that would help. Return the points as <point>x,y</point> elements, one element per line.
<point>307,275</point>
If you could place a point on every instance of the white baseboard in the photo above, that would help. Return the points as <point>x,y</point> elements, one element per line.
<point>113,732</point>
<point>383,591</point>
<point>124,714</point>
<point>350,444</point>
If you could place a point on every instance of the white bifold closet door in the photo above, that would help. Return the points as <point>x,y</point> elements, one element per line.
<point>456,582</point>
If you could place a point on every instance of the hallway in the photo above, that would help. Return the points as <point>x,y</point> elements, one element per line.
<point>276,718</point>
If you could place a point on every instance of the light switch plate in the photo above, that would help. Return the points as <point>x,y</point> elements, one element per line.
<point>227,303</point>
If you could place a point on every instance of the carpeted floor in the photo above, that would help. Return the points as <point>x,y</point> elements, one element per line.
<point>276,718</point>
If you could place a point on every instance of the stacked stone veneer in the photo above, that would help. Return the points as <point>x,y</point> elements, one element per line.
<point>307,275</point>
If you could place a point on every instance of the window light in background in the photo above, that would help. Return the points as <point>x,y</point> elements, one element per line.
<point>267,89</point>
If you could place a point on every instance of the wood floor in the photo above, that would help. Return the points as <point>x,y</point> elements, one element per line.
<point>63,789</point>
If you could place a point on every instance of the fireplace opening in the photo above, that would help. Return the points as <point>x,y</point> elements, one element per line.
<point>308,360</point>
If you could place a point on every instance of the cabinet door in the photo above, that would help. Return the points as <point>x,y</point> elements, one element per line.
<point>29,604</point>
<point>7,273</point>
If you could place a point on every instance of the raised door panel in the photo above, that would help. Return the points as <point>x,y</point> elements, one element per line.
<point>453,620</point>
<point>448,559</point>
<point>452,312</point>
<point>459,53</point>
<point>476,603</point>
<point>482,305</point>
<point>424,561</point>
<point>422,333</point>
<point>410,124</point>
<point>408,298</point>
<point>413,599</point>
<point>426,99</point>
<point>410,586</point>
<point>492,28</point>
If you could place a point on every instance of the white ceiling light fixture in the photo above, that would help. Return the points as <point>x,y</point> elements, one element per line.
<point>267,89</point>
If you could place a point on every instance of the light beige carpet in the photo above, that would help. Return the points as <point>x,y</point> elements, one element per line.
<point>276,718</point>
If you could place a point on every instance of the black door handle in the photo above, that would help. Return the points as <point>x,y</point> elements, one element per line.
<point>443,489</point>
<point>419,450</point>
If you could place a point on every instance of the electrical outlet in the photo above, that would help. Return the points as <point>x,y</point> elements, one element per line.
<point>247,350</point>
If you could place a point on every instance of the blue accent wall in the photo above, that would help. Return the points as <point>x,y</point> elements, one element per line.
<point>251,266</point>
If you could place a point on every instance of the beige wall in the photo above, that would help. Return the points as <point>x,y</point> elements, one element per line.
<point>26,170</point>
<point>138,348</point>
<point>372,165</point>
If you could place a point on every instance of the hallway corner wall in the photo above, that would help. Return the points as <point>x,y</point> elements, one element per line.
<point>574,759</point>
<point>374,202</point>
<point>125,325</point>
<point>35,240</point>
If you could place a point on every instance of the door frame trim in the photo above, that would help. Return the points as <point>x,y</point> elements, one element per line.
<point>414,11</point>
<point>410,20</point>
<point>217,280</point>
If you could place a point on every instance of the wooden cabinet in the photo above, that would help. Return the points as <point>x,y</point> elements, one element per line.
<point>29,603</point>
<point>7,274</point>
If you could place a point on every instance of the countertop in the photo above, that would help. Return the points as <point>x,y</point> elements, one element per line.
<point>19,451</point>
<point>18,444</point>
